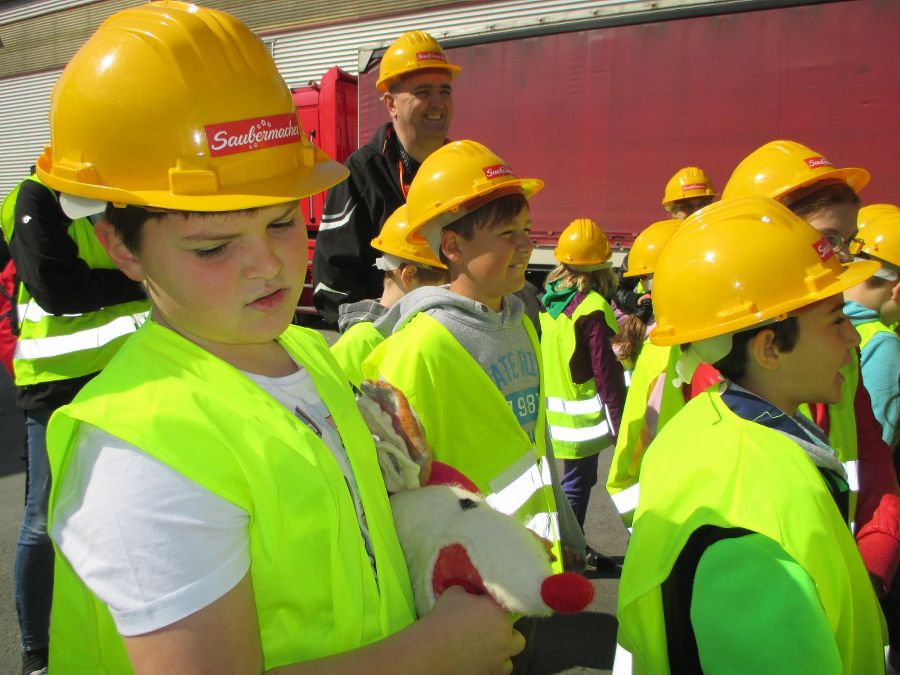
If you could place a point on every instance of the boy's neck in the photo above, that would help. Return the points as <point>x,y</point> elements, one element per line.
<point>769,390</point>
<point>463,286</point>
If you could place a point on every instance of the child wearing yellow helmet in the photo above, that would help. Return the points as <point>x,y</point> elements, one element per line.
<point>216,500</point>
<point>585,385</point>
<point>742,558</point>
<point>872,307</point>
<point>408,264</point>
<point>652,400</point>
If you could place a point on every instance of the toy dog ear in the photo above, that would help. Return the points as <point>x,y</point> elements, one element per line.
<point>403,453</point>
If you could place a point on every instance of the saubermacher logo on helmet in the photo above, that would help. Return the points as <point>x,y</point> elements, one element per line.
<point>693,186</point>
<point>430,56</point>
<point>816,162</point>
<point>823,249</point>
<point>229,138</point>
<point>498,170</point>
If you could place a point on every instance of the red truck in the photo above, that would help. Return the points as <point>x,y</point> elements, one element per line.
<point>606,111</point>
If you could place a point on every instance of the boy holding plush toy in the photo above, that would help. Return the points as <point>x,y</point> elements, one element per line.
<point>217,505</point>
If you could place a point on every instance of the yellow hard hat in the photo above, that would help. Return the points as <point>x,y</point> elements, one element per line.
<point>739,263</point>
<point>879,232</point>
<point>395,239</point>
<point>583,245</point>
<point>688,183</point>
<point>780,167</point>
<point>179,107</point>
<point>413,51</point>
<point>456,179</point>
<point>647,246</point>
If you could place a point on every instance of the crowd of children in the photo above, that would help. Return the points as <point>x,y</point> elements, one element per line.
<point>216,502</point>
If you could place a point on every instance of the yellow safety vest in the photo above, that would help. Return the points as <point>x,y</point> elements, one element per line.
<point>625,469</point>
<point>711,467</point>
<point>352,348</point>
<point>314,587</point>
<point>842,430</point>
<point>578,418</point>
<point>869,330</point>
<point>468,423</point>
<point>53,347</point>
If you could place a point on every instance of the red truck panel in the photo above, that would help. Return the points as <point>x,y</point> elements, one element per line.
<point>605,116</point>
<point>328,114</point>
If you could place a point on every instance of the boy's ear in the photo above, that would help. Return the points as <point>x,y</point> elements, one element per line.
<point>450,241</point>
<point>120,254</point>
<point>762,350</point>
<point>407,274</point>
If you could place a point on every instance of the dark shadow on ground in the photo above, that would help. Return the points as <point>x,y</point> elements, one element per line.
<point>565,641</point>
<point>613,573</point>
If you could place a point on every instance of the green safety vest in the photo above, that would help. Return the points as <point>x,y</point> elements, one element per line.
<point>352,348</point>
<point>869,330</point>
<point>62,347</point>
<point>314,587</point>
<point>469,424</point>
<point>578,418</point>
<point>710,467</point>
<point>634,436</point>
<point>842,430</point>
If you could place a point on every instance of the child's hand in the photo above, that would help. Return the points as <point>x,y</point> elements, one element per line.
<point>475,633</point>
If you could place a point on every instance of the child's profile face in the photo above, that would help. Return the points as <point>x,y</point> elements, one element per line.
<point>225,281</point>
<point>810,371</point>
<point>492,263</point>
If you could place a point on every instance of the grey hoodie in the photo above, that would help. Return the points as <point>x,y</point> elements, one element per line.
<point>357,312</point>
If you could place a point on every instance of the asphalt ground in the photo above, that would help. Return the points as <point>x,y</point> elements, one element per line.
<point>580,643</point>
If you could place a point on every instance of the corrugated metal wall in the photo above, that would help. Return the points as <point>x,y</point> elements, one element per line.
<point>24,106</point>
<point>44,40</point>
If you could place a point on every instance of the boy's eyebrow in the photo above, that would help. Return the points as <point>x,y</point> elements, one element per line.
<point>290,210</point>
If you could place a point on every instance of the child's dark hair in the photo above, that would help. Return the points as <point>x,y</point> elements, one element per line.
<point>830,195</point>
<point>734,366</point>
<point>494,212</point>
<point>128,221</point>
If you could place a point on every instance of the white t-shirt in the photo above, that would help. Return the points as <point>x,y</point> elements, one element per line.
<point>154,545</point>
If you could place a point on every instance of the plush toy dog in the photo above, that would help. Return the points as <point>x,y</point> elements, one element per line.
<point>449,534</point>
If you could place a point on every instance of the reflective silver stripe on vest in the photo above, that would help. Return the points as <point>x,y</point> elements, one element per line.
<point>852,469</point>
<point>546,525</point>
<point>515,486</point>
<point>587,407</point>
<point>31,311</point>
<point>627,378</point>
<point>579,434</point>
<point>626,501</point>
<point>93,338</point>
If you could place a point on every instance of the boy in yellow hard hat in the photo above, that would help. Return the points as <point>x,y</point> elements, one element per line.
<point>742,558</point>
<point>407,265</point>
<point>217,505</point>
<point>826,196</point>
<point>465,355</point>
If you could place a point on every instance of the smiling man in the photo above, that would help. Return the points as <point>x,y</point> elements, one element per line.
<point>415,83</point>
